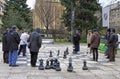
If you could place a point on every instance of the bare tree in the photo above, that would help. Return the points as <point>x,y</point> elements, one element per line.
<point>47,13</point>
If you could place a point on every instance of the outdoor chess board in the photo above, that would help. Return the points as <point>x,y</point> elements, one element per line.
<point>77,59</point>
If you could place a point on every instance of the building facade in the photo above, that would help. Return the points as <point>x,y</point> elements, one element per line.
<point>114,20</point>
<point>47,14</point>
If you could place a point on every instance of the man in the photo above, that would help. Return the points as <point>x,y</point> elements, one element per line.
<point>113,40</point>
<point>95,41</point>
<point>23,42</point>
<point>76,42</point>
<point>5,46</point>
<point>13,40</point>
<point>34,45</point>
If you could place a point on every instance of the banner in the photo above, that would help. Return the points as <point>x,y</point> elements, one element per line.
<point>105,16</point>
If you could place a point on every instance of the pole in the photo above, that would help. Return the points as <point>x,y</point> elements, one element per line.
<point>72,21</point>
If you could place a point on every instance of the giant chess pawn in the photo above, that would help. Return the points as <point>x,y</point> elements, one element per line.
<point>55,63</point>
<point>41,67</point>
<point>58,53</point>
<point>50,54</point>
<point>47,65</point>
<point>58,66</point>
<point>67,52</point>
<point>52,64</point>
<point>65,55</point>
<point>70,67</point>
<point>85,65</point>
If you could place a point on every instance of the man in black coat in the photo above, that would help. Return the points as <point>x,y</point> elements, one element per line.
<point>34,45</point>
<point>5,46</point>
<point>113,42</point>
<point>13,40</point>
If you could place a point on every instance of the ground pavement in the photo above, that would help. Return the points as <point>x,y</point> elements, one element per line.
<point>96,70</point>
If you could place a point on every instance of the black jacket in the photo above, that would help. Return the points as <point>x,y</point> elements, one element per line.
<point>35,41</point>
<point>4,41</point>
<point>13,40</point>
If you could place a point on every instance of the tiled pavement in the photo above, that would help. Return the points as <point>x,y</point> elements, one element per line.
<point>96,70</point>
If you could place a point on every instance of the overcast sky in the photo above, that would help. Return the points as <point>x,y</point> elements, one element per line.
<point>31,3</point>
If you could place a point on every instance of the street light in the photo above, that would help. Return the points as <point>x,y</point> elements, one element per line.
<point>72,20</point>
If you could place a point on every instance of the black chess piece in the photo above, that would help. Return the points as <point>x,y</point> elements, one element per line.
<point>55,63</point>
<point>41,67</point>
<point>52,64</point>
<point>70,67</point>
<point>58,53</point>
<point>85,65</point>
<point>47,65</point>
<point>58,66</point>
<point>67,52</point>
<point>65,55</point>
<point>50,54</point>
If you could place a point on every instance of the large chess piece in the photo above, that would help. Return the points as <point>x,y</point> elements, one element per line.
<point>41,67</point>
<point>70,67</point>
<point>85,66</point>
<point>55,63</point>
<point>65,55</point>
<point>58,53</point>
<point>50,54</point>
<point>52,64</point>
<point>47,65</point>
<point>67,52</point>
<point>58,66</point>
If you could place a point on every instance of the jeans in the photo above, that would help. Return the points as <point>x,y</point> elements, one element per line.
<point>13,57</point>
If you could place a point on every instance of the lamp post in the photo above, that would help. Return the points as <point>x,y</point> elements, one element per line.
<point>72,20</point>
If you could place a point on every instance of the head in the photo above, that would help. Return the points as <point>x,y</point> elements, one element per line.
<point>14,28</point>
<point>108,30</point>
<point>89,31</point>
<point>37,30</point>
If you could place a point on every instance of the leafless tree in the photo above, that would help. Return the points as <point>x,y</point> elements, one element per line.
<point>47,13</point>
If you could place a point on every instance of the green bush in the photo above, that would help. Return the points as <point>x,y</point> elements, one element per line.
<point>0,37</point>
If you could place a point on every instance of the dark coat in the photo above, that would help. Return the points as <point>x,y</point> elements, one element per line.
<point>76,39</point>
<point>113,40</point>
<point>35,41</point>
<point>95,40</point>
<point>4,41</point>
<point>13,40</point>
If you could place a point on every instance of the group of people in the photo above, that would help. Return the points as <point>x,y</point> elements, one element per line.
<point>112,43</point>
<point>13,45</point>
<point>93,41</point>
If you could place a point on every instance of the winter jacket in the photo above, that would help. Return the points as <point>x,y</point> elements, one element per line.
<point>95,40</point>
<point>35,41</point>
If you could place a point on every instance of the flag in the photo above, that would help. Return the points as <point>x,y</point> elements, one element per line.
<point>105,16</point>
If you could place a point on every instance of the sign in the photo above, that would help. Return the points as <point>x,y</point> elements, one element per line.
<point>105,16</point>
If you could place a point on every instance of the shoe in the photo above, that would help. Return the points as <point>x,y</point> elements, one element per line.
<point>10,65</point>
<point>15,65</point>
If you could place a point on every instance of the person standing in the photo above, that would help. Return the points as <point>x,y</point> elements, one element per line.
<point>95,41</point>
<point>76,42</point>
<point>113,42</point>
<point>89,35</point>
<point>23,42</point>
<point>35,42</point>
<point>13,40</point>
<point>5,46</point>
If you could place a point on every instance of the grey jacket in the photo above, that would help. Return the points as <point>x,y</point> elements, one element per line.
<point>35,41</point>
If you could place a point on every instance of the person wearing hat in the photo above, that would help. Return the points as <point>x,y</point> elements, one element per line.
<point>95,42</point>
<point>13,40</point>
<point>35,42</point>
